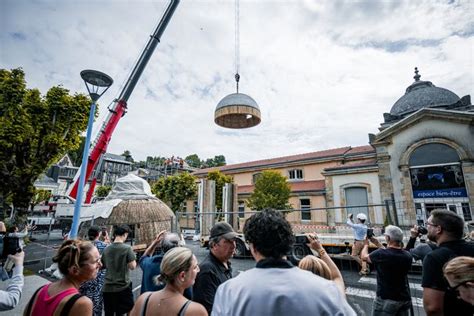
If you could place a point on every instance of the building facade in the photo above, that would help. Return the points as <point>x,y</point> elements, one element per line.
<point>422,159</point>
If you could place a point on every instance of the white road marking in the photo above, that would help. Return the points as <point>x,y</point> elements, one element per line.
<point>415,286</point>
<point>137,288</point>
<point>417,302</point>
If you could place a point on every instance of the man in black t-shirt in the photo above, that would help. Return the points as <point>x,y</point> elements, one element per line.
<point>392,265</point>
<point>446,229</point>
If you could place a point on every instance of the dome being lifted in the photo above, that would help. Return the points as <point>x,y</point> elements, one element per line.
<point>422,94</point>
<point>237,110</point>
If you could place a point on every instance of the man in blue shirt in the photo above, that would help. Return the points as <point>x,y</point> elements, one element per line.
<point>150,263</point>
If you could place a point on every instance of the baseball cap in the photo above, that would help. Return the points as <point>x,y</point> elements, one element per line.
<point>223,229</point>
<point>361,216</point>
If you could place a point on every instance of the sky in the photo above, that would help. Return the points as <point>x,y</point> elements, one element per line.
<point>322,72</point>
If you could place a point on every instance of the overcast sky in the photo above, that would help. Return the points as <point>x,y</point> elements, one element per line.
<point>322,72</point>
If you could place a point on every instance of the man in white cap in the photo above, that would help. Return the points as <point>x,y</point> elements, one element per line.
<point>360,232</point>
<point>215,269</point>
<point>392,265</point>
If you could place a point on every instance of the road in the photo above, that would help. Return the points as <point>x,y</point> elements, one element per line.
<point>360,290</point>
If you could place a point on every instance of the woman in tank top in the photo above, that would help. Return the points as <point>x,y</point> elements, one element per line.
<point>78,261</point>
<point>179,268</point>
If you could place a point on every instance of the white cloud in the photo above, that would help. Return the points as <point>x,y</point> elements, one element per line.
<point>322,72</point>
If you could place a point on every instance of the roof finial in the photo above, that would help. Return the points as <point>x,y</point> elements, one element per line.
<point>417,76</point>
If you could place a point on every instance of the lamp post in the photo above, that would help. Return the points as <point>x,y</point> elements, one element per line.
<point>96,83</point>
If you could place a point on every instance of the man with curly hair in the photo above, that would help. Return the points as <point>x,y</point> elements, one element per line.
<point>275,286</point>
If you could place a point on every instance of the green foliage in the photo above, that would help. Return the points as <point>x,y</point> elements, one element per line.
<point>175,190</point>
<point>76,154</point>
<point>271,191</point>
<point>217,161</point>
<point>103,191</point>
<point>220,179</point>
<point>193,161</point>
<point>127,155</point>
<point>35,131</point>
<point>39,196</point>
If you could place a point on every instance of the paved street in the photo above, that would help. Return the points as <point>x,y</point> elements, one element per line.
<point>360,290</point>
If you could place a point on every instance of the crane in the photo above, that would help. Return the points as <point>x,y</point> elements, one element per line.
<point>118,109</point>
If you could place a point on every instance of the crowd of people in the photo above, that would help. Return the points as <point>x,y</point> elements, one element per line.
<point>96,274</point>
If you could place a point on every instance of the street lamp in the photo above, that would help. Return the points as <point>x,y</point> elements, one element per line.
<point>96,83</point>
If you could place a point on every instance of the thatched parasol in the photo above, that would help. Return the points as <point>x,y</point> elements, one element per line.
<point>134,205</point>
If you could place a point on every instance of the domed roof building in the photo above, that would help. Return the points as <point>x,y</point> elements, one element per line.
<point>425,153</point>
<point>424,94</point>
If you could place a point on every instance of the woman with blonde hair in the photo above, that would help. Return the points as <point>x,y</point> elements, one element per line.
<point>78,261</point>
<point>179,268</point>
<point>322,266</point>
<point>460,275</point>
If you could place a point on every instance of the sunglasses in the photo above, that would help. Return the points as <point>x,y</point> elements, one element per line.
<point>455,288</point>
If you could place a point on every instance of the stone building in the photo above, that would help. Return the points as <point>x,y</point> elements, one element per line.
<point>422,159</point>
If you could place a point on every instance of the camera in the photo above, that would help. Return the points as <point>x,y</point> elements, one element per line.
<point>301,239</point>
<point>370,232</point>
<point>422,230</point>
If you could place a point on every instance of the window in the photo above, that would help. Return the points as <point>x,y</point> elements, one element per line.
<point>305,209</point>
<point>431,154</point>
<point>295,174</point>
<point>357,196</point>
<point>466,211</point>
<point>241,209</point>
<point>255,177</point>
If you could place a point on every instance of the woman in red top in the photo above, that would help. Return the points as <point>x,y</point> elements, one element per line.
<point>78,261</point>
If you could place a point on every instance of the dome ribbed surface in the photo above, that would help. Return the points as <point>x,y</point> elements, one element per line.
<point>423,94</point>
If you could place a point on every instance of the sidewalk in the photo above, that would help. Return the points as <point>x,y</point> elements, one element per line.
<point>32,283</point>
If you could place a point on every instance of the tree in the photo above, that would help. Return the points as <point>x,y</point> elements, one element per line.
<point>76,154</point>
<point>219,161</point>
<point>39,196</point>
<point>221,179</point>
<point>193,161</point>
<point>35,131</point>
<point>103,191</point>
<point>271,191</point>
<point>127,155</point>
<point>175,190</point>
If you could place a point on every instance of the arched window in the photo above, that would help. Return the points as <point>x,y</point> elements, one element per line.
<point>433,154</point>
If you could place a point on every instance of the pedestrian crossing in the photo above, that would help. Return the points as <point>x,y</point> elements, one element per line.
<point>370,294</point>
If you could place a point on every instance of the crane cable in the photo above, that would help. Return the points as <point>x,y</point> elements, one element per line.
<point>237,44</point>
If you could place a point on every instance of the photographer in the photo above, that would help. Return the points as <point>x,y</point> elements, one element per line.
<point>392,265</point>
<point>360,232</point>
<point>421,250</point>
<point>11,296</point>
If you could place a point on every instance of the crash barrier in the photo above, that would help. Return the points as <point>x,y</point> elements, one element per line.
<point>141,234</point>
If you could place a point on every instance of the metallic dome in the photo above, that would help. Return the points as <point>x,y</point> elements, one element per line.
<point>422,94</point>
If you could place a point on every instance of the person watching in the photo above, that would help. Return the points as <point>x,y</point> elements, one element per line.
<point>360,231</point>
<point>216,267</point>
<point>118,258</point>
<point>78,261</point>
<point>11,296</point>
<point>392,265</point>
<point>275,286</point>
<point>423,248</point>
<point>459,273</point>
<point>322,266</point>
<point>93,288</point>
<point>178,271</point>
<point>446,229</point>
<point>150,263</point>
